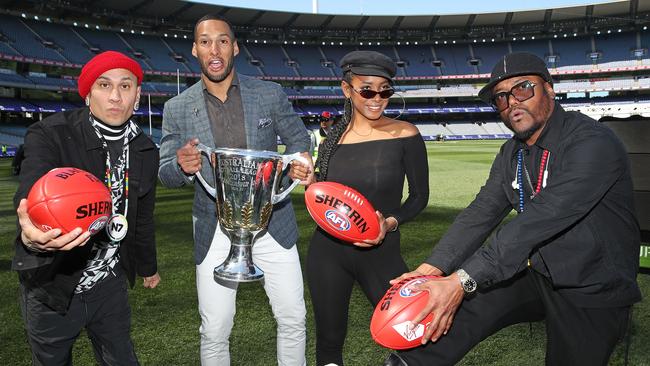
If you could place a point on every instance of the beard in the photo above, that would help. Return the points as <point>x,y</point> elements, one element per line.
<point>220,77</point>
<point>523,135</point>
<point>526,134</point>
<point>540,118</point>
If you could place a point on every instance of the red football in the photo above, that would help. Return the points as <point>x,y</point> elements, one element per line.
<point>67,198</point>
<point>389,324</point>
<point>342,211</point>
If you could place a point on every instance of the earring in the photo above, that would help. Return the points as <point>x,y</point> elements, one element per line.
<point>87,101</point>
<point>136,105</point>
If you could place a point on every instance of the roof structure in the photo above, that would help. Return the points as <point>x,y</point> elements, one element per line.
<point>171,15</point>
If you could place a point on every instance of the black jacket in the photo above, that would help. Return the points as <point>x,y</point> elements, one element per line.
<point>580,230</point>
<point>67,139</point>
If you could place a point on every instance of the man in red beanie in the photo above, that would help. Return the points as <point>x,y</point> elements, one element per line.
<point>73,281</point>
<point>326,121</point>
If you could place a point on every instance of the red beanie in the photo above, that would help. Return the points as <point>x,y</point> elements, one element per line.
<point>103,62</point>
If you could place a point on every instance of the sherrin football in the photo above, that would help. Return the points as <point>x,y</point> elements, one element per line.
<point>67,198</point>
<point>342,211</point>
<point>393,313</point>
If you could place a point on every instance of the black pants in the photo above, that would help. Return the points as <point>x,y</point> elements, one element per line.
<point>575,336</point>
<point>105,313</point>
<point>332,269</point>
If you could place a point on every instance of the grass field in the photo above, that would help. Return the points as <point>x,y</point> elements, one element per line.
<point>166,320</point>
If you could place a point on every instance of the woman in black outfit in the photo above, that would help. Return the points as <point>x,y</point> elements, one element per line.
<point>372,154</point>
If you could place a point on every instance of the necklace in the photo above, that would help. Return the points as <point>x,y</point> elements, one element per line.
<point>360,134</point>
<point>116,179</point>
<point>541,176</point>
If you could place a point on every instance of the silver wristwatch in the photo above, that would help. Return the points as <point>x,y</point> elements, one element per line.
<point>467,282</point>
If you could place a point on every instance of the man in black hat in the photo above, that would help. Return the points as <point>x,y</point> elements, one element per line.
<point>569,256</point>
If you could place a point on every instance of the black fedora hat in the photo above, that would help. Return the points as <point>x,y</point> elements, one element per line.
<point>514,64</point>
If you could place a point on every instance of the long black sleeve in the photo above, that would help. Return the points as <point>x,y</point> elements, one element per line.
<point>473,225</point>
<point>579,230</point>
<point>416,167</point>
<point>588,171</point>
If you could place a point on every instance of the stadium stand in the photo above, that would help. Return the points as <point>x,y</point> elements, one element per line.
<point>75,45</point>
<point>418,60</point>
<point>438,75</point>
<point>19,37</point>
<point>61,38</point>
<point>488,54</point>
<point>571,51</point>
<point>541,48</point>
<point>455,60</point>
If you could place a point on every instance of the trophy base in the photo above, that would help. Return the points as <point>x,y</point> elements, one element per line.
<point>238,273</point>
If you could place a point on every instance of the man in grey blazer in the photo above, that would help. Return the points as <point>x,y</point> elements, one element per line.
<point>226,109</point>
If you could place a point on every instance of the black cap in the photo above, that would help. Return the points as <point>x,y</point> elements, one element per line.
<point>514,64</point>
<point>369,63</point>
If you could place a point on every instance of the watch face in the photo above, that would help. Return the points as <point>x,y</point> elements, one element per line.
<point>469,285</point>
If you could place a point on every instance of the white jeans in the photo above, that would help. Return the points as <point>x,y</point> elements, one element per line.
<point>283,285</point>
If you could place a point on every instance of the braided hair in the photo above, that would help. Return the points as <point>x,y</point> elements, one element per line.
<point>327,147</point>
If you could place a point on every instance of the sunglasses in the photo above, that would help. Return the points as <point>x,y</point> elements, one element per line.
<point>521,92</point>
<point>370,94</point>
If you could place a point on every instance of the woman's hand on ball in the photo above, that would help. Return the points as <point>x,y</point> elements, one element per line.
<point>385,225</point>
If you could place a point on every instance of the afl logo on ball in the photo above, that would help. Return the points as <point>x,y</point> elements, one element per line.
<point>337,220</point>
<point>97,225</point>
<point>405,291</point>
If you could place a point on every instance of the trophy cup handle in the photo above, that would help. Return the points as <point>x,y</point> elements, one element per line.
<point>207,151</point>
<point>286,159</point>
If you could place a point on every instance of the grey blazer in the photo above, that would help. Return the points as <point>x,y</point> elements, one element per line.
<point>267,115</point>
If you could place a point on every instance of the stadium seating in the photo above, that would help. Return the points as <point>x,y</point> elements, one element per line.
<point>274,59</point>
<point>63,38</point>
<point>488,54</point>
<point>75,45</point>
<point>152,50</point>
<point>572,51</point>
<point>25,41</point>
<point>182,48</point>
<point>615,47</point>
<point>455,60</point>
<point>310,60</point>
<point>43,42</point>
<point>335,54</point>
<point>419,60</point>
<point>537,47</point>
<point>10,78</point>
<point>104,40</point>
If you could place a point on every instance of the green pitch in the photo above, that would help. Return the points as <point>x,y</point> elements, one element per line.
<point>166,320</point>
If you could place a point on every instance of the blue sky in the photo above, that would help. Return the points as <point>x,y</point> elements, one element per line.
<point>404,7</point>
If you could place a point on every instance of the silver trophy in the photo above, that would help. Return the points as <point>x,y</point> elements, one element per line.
<point>247,184</point>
